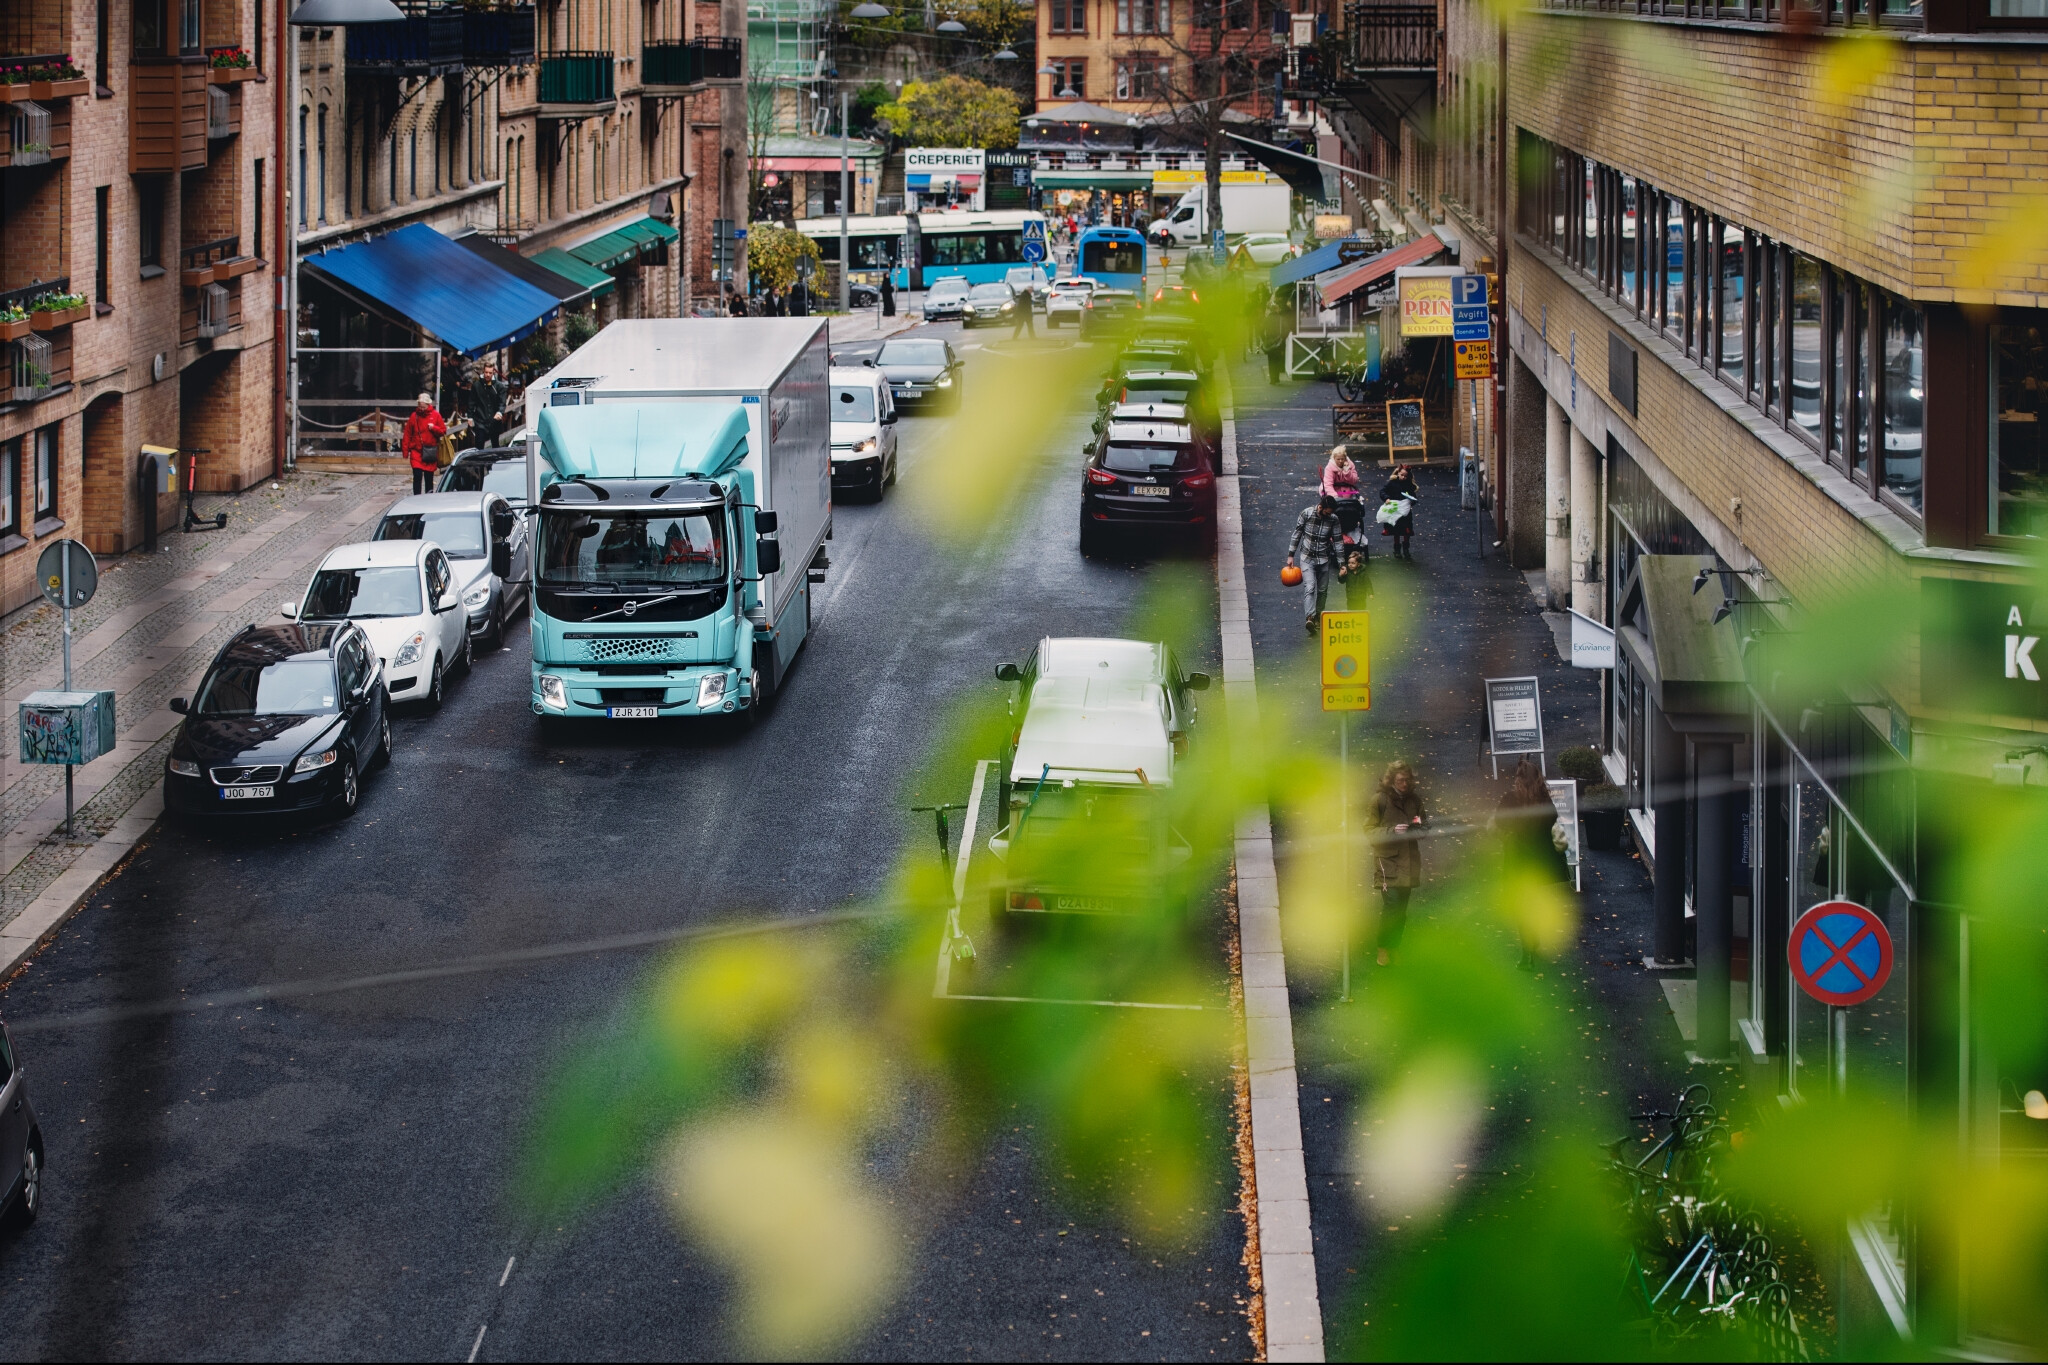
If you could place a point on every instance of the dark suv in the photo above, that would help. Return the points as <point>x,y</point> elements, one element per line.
<point>1147,476</point>
<point>21,1143</point>
<point>287,718</point>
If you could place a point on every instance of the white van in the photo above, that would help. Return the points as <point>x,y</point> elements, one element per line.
<point>863,432</point>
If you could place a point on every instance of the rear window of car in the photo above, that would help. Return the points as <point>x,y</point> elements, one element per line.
<point>851,404</point>
<point>992,292</point>
<point>1146,459</point>
<point>459,533</point>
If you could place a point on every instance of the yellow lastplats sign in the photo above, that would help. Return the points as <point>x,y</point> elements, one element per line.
<point>1426,306</point>
<point>1347,664</point>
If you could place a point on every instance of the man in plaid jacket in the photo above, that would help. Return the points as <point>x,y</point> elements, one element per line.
<point>1315,544</point>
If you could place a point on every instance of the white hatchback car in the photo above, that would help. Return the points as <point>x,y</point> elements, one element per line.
<point>1067,298</point>
<point>1267,248</point>
<point>863,431</point>
<point>404,595</point>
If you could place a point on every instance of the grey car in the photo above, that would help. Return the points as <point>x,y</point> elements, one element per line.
<point>21,1143</point>
<point>488,545</point>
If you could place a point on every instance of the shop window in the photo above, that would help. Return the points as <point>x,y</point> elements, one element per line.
<point>1803,341</point>
<point>1731,272</point>
<point>1905,387</point>
<point>45,482</point>
<point>1561,199</point>
<point>10,488</point>
<point>2019,407</point>
<point>1848,433</point>
<point>1764,318</point>
<point>1587,222</point>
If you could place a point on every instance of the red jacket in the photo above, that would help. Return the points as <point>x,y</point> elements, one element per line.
<point>422,438</point>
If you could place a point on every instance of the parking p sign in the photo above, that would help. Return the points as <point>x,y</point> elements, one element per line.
<point>1468,291</point>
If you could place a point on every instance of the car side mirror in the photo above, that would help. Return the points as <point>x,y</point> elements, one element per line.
<point>501,559</point>
<point>767,555</point>
<point>289,610</point>
<point>868,361</point>
<point>766,523</point>
<point>1096,426</point>
<point>1008,673</point>
<point>1198,682</point>
<point>180,705</point>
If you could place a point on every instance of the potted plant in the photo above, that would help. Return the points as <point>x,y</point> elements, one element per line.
<point>229,65</point>
<point>53,310</point>
<point>13,321</point>
<point>1601,803</point>
<point>52,79</point>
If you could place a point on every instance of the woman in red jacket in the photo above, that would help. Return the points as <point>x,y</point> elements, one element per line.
<point>421,443</point>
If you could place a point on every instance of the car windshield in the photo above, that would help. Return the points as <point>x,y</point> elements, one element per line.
<point>1024,276</point>
<point>461,534</point>
<point>293,687</point>
<point>989,293</point>
<point>852,404</point>
<point>1125,459</point>
<point>361,594</point>
<point>913,353</point>
<point>632,550</point>
<point>506,478</point>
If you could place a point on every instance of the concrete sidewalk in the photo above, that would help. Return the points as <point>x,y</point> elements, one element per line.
<point>148,634</point>
<point>868,324</point>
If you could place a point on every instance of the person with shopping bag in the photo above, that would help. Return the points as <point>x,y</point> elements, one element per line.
<point>1393,822</point>
<point>420,443</point>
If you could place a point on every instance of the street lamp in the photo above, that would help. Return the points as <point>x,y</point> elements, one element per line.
<point>311,14</point>
<point>868,9</point>
<point>952,26</point>
<point>1005,55</point>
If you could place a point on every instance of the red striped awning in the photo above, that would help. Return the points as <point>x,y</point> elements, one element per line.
<point>1377,268</point>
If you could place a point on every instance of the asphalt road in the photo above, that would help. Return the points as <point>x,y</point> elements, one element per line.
<point>326,1175</point>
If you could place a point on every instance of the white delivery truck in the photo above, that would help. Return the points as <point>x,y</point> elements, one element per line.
<point>680,472</point>
<point>1246,208</point>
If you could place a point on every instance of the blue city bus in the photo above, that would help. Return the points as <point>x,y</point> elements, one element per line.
<point>981,248</point>
<point>1113,257</point>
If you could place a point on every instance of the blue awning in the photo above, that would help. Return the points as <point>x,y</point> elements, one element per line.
<point>1324,257</point>
<point>455,295</point>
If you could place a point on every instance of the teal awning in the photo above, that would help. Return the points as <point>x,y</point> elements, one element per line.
<point>628,243</point>
<point>569,268</point>
<point>1092,178</point>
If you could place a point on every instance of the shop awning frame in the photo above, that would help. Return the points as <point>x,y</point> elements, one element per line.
<point>623,245</point>
<point>1377,268</point>
<point>569,268</point>
<point>453,295</point>
<point>570,292</point>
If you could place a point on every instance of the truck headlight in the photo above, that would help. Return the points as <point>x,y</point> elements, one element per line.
<point>477,595</point>
<point>184,767</point>
<point>314,762</point>
<point>710,691</point>
<point>553,694</point>
<point>409,652</point>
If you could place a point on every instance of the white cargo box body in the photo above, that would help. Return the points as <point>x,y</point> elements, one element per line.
<point>776,367</point>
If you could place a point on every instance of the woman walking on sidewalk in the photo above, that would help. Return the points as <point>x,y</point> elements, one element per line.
<point>1393,822</point>
<point>421,443</point>
<point>1400,488</point>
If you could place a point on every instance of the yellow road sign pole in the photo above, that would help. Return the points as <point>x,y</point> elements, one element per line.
<point>1347,687</point>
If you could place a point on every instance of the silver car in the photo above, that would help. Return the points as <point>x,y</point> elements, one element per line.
<point>488,545</point>
<point>21,1143</point>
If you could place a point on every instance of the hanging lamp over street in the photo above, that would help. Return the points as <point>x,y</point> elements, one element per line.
<point>868,9</point>
<point>341,13</point>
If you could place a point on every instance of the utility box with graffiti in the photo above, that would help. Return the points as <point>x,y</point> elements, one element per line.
<point>66,727</point>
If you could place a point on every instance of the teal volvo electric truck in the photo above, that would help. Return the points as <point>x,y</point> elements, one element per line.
<point>680,476</point>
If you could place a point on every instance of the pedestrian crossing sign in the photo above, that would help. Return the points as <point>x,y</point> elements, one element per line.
<point>1347,661</point>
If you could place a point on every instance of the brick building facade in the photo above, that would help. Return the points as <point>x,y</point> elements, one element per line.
<point>142,188</point>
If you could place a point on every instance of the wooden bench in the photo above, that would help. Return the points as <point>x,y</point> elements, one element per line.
<point>1365,423</point>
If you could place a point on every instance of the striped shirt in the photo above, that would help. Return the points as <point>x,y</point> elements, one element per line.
<point>1315,536</point>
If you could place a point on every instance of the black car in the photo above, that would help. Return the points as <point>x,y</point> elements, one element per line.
<point>21,1143</point>
<point>498,469</point>
<point>922,371</point>
<point>288,718</point>
<point>1147,477</point>
<point>991,304</point>
<point>1110,312</point>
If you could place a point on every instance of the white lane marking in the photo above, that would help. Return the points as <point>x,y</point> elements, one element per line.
<point>509,1261</point>
<point>944,975</point>
<point>479,1342</point>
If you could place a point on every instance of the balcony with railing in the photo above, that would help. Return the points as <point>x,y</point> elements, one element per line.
<point>215,262</point>
<point>720,59</point>
<point>498,37</point>
<point>574,83</point>
<point>35,350</point>
<point>41,77</point>
<point>34,134</point>
<point>677,66</point>
<point>1390,37</point>
<point>213,300</point>
<point>429,43</point>
<point>1385,65</point>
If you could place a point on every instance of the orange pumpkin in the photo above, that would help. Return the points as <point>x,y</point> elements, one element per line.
<point>1291,576</point>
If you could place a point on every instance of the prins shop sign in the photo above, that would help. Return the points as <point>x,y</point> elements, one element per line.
<point>1982,648</point>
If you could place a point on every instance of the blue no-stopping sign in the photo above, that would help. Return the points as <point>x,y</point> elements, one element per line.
<point>1841,953</point>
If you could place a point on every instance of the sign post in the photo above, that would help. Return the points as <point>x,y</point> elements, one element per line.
<point>1347,687</point>
<point>69,576</point>
<point>1514,720</point>
<point>1841,955</point>
<point>1033,248</point>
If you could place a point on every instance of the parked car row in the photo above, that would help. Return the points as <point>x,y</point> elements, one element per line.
<point>1151,460</point>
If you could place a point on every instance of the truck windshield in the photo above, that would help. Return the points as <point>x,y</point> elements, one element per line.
<point>632,550</point>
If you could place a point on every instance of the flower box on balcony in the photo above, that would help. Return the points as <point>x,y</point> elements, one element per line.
<point>44,90</point>
<point>236,266</point>
<point>10,329</point>
<point>50,321</point>
<point>231,75</point>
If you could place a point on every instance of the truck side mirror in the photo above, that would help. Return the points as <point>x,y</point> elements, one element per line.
<point>767,555</point>
<point>1008,673</point>
<point>1198,682</point>
<point>766,523</point>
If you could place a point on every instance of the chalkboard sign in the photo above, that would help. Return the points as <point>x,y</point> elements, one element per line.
<point>1404,425</point>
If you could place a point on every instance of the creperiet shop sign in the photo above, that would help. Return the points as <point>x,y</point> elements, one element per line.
<point>945,164</point>
<point>1983,648</point>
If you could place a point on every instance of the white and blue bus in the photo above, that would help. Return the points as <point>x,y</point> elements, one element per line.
<point>980,247</point>
<point>1113,257</point>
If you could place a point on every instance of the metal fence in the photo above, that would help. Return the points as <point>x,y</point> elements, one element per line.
<point>353,400</point>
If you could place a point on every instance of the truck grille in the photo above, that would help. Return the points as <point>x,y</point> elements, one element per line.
<point>631,647</point>
<point>633,696</point>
